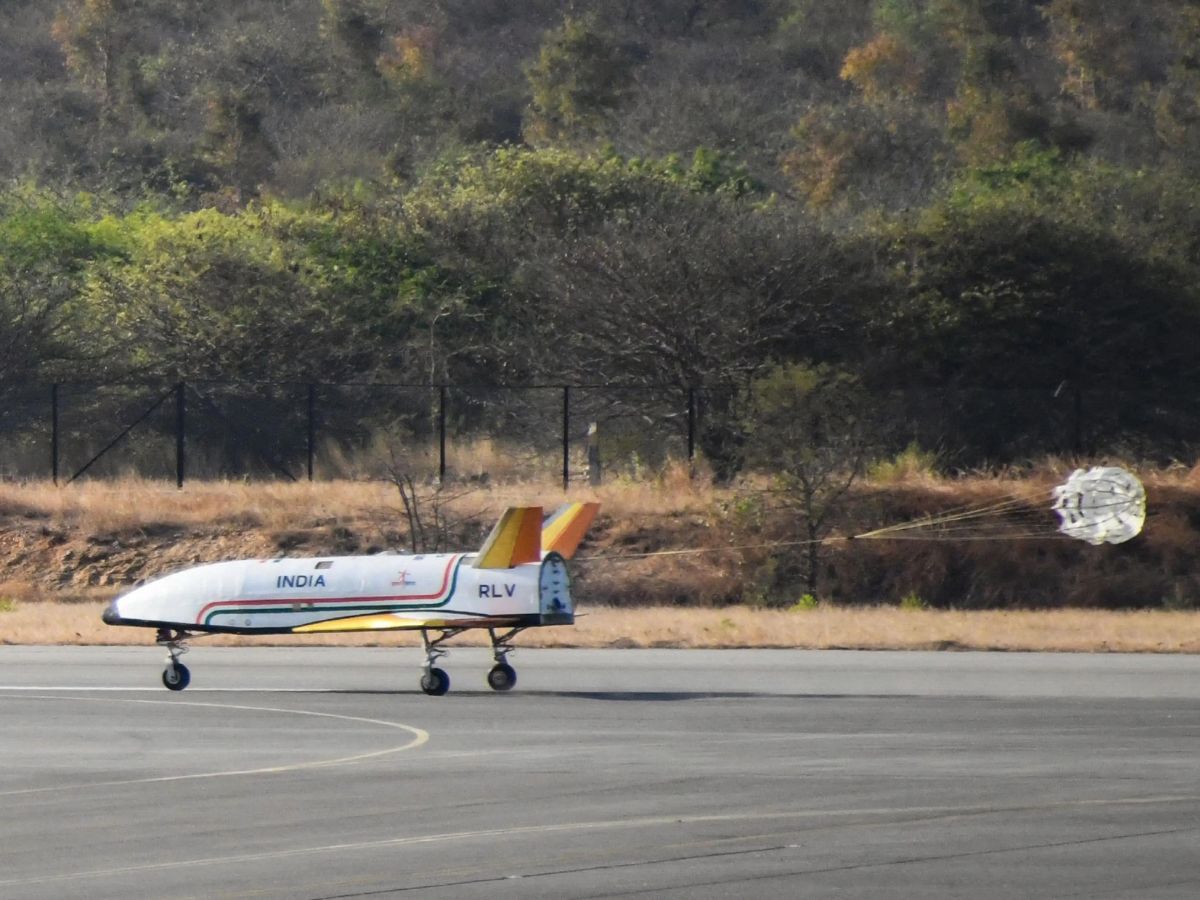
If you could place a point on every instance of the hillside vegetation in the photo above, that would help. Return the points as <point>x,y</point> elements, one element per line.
<point>992,204</point>
<point>89,542</point>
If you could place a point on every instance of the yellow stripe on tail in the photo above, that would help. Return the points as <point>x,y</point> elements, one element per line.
<point>516,539</point>
<point>563,531</point>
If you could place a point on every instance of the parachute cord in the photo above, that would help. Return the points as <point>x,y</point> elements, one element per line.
<point>1005,521</point>
<point>696,551</point>
<point>1026,515</point>
<point>962,514</point>
<point>692,551</point>
<point>959,538</point>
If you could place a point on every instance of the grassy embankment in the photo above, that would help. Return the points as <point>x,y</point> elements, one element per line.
<point>65,551</point>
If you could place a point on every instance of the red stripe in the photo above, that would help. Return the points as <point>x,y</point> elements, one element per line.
<point>391,598</point>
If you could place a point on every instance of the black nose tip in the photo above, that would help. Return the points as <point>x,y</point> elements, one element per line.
<point>110,616</point>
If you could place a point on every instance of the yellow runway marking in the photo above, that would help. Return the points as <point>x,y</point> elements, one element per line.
<point>419,738</point>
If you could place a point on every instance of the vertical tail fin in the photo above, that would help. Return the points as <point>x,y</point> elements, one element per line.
<point>563,531</point>
<point>514,540</point>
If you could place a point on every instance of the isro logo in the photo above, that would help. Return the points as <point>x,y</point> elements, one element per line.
<point>299,581</point>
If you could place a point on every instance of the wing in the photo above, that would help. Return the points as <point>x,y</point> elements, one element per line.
<point>393,622</point>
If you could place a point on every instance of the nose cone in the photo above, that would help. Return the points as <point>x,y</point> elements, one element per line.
<point>111,615</point>
<point>137,607</point>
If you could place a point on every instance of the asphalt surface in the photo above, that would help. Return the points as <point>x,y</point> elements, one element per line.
<point>323,773</point>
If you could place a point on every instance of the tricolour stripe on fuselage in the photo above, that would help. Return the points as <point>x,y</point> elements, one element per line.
<point>303,609</point>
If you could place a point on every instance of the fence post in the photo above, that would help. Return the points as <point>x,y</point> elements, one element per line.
<point>180,423</point>
<point>595,471</point>
<point>54,432</point>
<point>311,446</point>
<point>442,434</point>
<point>692,430</point>
<point>566,437</point>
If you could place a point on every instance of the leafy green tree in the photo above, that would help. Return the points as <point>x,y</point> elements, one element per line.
<point>1002,299</point>
<point>579,77</point>
<point>46,249</point>
<point>213,296</point>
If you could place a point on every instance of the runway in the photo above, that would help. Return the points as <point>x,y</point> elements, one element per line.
<point>324,773</point>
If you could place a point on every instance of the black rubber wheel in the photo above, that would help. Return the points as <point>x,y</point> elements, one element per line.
<point>435,682</point>
<point>502,678</point>
<point>176,677</point>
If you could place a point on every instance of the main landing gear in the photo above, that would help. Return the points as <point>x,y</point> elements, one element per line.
<point>175,676</point>
<point>435,681</point>
<point>503,677</point>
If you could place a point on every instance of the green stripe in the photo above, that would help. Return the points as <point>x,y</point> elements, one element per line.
<point>269,610</point>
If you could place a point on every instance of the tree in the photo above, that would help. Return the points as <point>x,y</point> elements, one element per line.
<point>817,34</point>
<point>45,250</point>
<point>95,35</point>
<point>884,67</point>
<point>237,145</point>
<point>1003,298</point>
<point>580,76</point>
<point>213,296</point>
<point>694,292</point>
<point>806,430</point>
<point>1109,48</point>
<point>858,156</point>
<point>1177,106</point>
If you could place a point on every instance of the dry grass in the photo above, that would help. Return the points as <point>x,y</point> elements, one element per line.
<point>130,503</point>
<point>870,628</point>
<point>90,540</point>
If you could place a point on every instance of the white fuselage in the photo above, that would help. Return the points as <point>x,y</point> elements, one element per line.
<point>273,595</point>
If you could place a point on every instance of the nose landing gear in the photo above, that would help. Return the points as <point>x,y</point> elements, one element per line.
<point>175,676</point>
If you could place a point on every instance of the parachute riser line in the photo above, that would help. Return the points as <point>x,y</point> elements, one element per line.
<point>695,551</point>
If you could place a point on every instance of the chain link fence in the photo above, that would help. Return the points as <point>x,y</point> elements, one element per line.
<point>297,431</point>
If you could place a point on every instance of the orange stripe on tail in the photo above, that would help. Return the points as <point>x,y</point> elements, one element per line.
<point>516,539</point>
<point>563,531</point>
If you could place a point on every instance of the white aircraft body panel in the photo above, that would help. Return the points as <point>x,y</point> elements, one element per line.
<point>280,594</point>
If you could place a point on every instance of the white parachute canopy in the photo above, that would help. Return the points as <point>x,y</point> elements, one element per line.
<point>1101,505</point>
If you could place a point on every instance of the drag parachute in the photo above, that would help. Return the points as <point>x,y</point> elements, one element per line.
<point>1101,505</point>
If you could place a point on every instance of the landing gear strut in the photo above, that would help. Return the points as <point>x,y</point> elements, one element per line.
<point>434,681</point>
<point>502,677</point>
<point>175,676</point>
